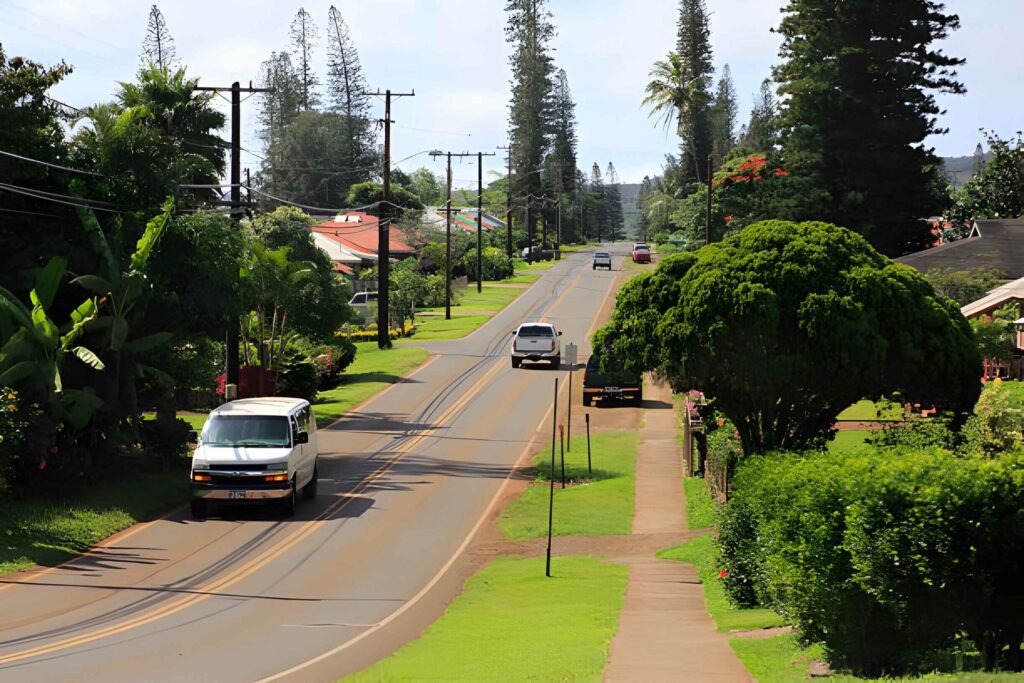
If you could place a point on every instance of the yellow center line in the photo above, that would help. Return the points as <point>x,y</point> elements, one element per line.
<point>261,560</point>
<point>258,562</point>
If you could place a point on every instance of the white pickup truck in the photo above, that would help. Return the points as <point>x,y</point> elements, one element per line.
<point>536,342</point>
<point>602,259</point>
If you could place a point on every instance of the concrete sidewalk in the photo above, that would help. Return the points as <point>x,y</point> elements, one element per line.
<point>665,632</point>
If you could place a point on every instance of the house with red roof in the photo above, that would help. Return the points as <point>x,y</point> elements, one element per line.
<point>351,242</point>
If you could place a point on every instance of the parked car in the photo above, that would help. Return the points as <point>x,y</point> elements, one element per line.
<point>366,305</point>
<point>610,383</point>
<point>602,259</point>
<point>256,450</point>
<point>536,342</point>
<point>537,254</point>
<point>641,253</point>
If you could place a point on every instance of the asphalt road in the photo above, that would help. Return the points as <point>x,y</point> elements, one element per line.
<point>404,483</point>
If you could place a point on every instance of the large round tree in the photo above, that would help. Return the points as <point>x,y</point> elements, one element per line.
<point>786,324</point>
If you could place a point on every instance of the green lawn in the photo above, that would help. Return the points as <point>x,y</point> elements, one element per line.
<point>511,623</point>
<point>846,440</point>
<point>535,267</point>
<point>577,247</point>
<point>373,370</point>
<point>47,532</point>
<point>1016,391</point>
<point>868,411</point>
<point>700,508</point>
<point>598,507</point>
<point>436,327</point>
<point>490,299</point>
<point>781,659</point>
<point>195,420</point>
<point>701,553</point>
<point>525,278</point>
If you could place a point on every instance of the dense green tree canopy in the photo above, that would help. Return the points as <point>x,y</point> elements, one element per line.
<point>786,324</point>
<point>859,79</point>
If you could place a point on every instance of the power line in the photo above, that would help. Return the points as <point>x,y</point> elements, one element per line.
<point>48,164</point>
<point>16,190</point>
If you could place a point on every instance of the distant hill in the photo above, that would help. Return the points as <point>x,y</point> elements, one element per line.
<point>958,170</point>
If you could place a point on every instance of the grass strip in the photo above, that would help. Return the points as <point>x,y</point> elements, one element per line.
<point>700,507</point>
<point>596,505</point>
<point>847,440</point>
<point>46,532</point>
<point>524,278</point>
<point>436,328</point>
<point>781,659</point>
<point>373,370</point>
<point>701,553</point>
<point>869,411</point>
<point>512,623</point>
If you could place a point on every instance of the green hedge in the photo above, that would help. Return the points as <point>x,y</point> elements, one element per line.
<point>886,557</point>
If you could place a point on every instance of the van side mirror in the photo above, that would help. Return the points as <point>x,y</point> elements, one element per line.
<point>193,436</point>
<point>301,437</point>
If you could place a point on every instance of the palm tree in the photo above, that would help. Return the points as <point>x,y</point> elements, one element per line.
<point>672,96</point>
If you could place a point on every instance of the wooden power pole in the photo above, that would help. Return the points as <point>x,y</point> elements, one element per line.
<point>384,228</point>
<point>236,90</point>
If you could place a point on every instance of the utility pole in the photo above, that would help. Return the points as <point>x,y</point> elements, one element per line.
<point>231,358</point>
<point>480,219</point>
<point>448,225</point>
<point>384,227</point>
<point>508,203</point>
<point>707,222</point>
<point>558,232</point>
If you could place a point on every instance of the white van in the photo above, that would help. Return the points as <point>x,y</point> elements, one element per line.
<point>256,450</point>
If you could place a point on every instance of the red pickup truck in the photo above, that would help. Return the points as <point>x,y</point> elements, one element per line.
<point>641,253</point>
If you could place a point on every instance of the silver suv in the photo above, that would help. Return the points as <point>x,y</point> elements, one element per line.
<point>602,259</point>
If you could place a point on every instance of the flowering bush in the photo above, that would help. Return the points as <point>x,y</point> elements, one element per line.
<point>12,433</point>
<point>996,425</point>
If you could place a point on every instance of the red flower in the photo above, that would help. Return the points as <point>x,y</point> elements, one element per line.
<point>780,172</point>
<point>728,219</point>
<point>724,573</point>
<point>758,178</point>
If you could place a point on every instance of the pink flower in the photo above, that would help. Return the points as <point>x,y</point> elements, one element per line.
<point>724,573</point>
<point>53,449</point>
<point>42,464</point>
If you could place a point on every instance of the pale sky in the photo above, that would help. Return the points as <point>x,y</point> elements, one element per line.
<point>453,54</point>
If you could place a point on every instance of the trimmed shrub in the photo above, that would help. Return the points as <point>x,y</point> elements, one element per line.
<point>885,557</point>
<point>496,265</point>
<point>331,361</point>
<point>298,376</point>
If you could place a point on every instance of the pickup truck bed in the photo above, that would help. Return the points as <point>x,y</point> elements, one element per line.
<point>610,383</point>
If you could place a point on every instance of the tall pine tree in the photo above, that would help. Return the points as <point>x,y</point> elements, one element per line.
<point>348,98</point>
<point>303,36</point>
<point>529,31</point>
<point>596,205</point>
<point>693,45</point>
<point>860,78</point>
<point>616,224</point>
<point>761,132</point>
<point>560,165</point>
<point>158,45</point>
<point>723,117</point>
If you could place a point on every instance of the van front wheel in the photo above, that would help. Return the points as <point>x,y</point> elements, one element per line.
<point>288,504</point>
<point>309,490</point>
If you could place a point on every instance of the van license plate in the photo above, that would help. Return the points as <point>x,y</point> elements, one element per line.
<point>611,390</point>
<point>236,495</point>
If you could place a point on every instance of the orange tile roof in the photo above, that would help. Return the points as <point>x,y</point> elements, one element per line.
<point>361,235</point>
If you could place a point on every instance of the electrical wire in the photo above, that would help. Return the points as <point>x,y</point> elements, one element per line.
<point>48,164</point>
<point>11,188</point>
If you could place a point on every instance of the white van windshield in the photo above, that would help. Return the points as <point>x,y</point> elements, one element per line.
<point>259,431</point>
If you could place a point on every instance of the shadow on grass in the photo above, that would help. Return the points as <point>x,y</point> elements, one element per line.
<point>365,377</point>
<point>574,472</point>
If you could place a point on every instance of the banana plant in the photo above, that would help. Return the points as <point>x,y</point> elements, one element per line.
<point>121,295</point>
<point>36,347</point>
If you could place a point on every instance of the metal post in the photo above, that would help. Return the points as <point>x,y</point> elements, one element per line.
<point>232,369</point>
<point>707,222</point>
<point>551,488</point>
<point>561,450</point>
<point>568,445</point>
<point>590,468</point>
<point>558,232</point>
